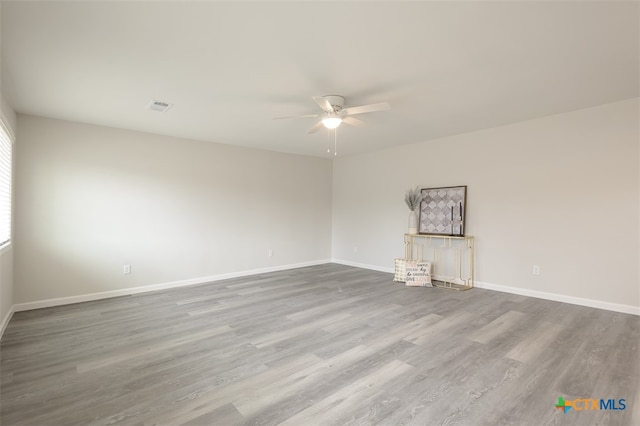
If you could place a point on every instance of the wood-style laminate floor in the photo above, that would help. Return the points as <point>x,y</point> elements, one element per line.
<point>323,345</point>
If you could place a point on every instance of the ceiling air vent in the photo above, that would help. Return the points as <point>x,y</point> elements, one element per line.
<point>158,106</point>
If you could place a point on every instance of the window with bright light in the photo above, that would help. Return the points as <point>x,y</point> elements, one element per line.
<point>6,149</point>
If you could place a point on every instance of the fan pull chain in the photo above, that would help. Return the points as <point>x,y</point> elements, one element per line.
<point>335,141</point>
<point>328,143</point>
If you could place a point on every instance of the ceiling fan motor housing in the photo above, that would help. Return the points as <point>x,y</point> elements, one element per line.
<point>336,101</point>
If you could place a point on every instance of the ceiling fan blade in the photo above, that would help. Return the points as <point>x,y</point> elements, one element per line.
<point>382,106</point>
<point>353,121</point>
<point>297,116</point>
<point>323,103</point>
<point>315,128</point>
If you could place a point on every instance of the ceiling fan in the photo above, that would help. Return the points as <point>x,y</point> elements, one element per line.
<point>333,112</point>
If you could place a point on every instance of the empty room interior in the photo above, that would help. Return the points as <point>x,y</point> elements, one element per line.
<point>320,213</point>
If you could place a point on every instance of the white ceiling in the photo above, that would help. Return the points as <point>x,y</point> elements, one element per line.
<point>230,67</point>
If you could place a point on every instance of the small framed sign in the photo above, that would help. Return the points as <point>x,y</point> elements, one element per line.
<point>442,211</point>
<point>418,274</point>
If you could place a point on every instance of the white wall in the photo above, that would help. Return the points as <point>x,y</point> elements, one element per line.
<point>90,199</point>
<point>8,116</point>
<point>6,254</point>
<point>6,286</point>
<point>561,192</point>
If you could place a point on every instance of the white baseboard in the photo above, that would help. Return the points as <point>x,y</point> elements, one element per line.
<point>615,307</point>
<point>144,289</point>
<point>627,309</point>
<point>6,320</point>
<point>363,265</point>
<point>608,306</point>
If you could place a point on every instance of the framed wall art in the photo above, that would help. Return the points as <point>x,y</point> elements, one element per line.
<point>442,211</point>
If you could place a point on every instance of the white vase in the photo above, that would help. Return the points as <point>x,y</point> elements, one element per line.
<point>413,222</point>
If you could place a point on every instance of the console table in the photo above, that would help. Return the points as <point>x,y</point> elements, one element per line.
<point>452,258</point>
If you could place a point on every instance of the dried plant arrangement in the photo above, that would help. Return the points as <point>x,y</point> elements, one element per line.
<point>413,198</point>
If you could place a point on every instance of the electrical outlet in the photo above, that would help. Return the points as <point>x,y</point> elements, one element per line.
<point>126,269</point>
<point>536,270</point>
<point>355,249</point>
<point>270,253</point>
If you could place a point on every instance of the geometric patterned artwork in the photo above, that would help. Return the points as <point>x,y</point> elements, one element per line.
<point>442,211</point>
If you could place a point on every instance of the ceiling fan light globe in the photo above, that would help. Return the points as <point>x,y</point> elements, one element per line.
<point>331,122</point>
